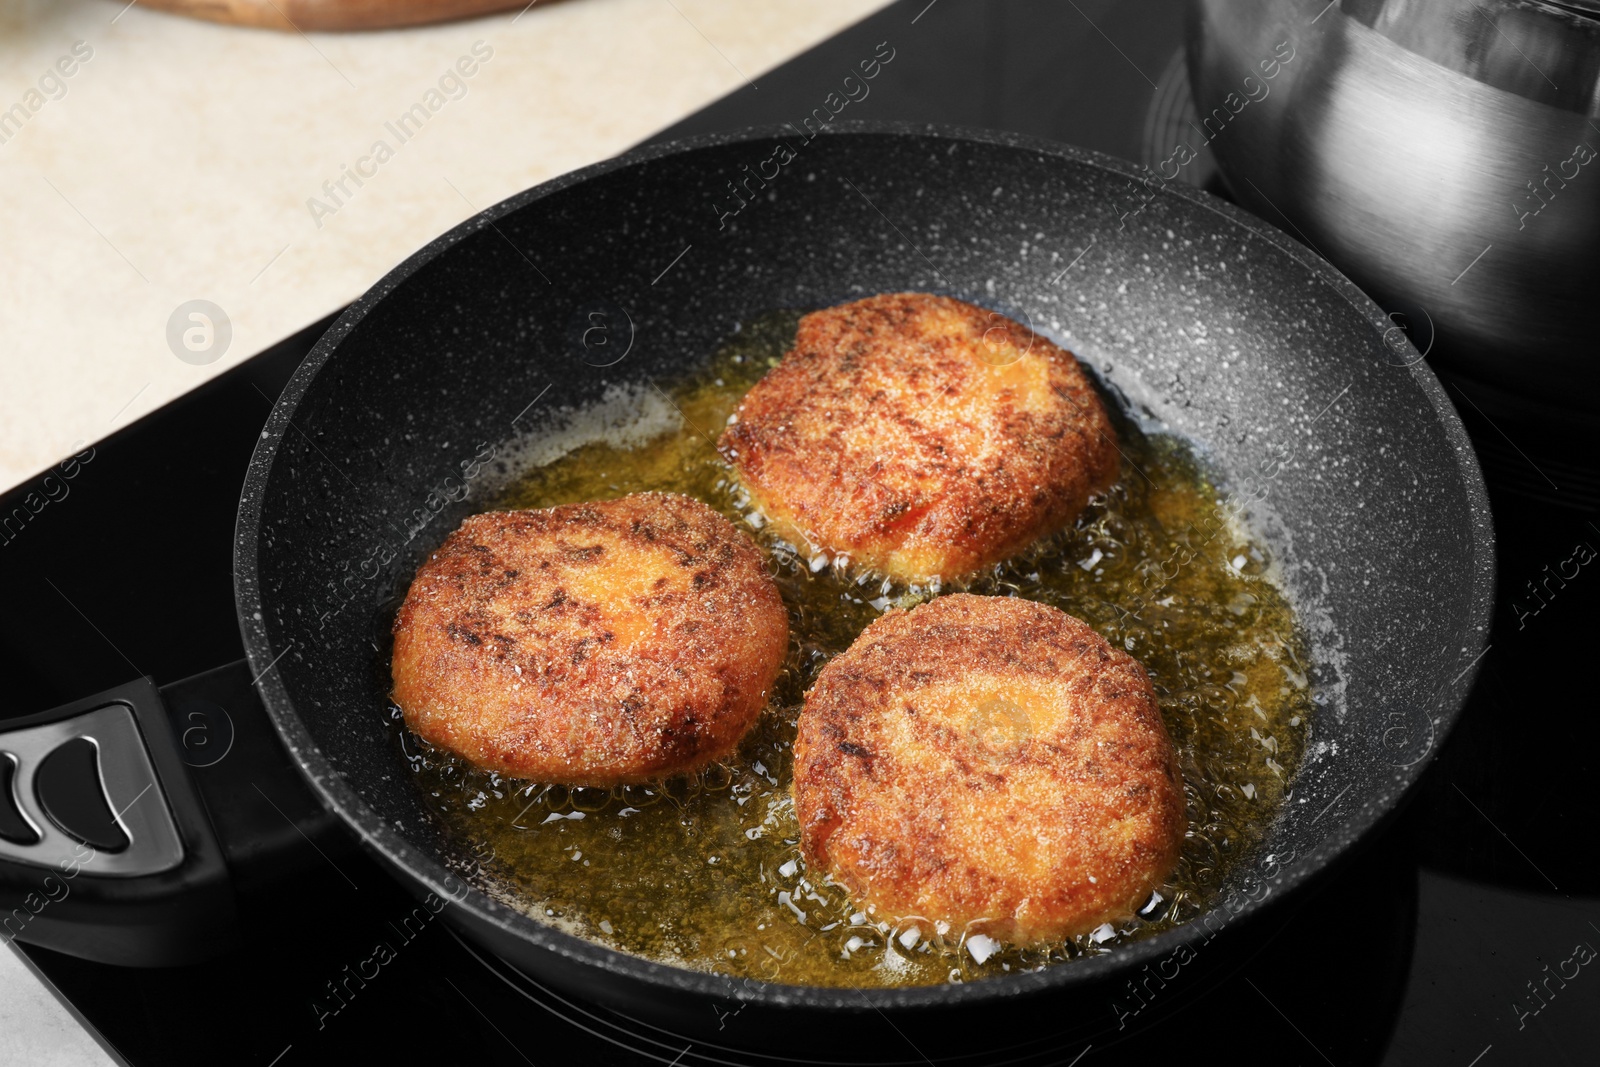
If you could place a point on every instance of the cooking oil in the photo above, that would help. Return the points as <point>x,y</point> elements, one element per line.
<point>706,871</point>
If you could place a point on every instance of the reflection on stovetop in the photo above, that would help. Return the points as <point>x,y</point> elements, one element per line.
<point>1457,932</point>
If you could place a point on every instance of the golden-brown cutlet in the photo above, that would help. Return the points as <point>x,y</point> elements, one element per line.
<point>919,435</point>
<point>590,644</point>
<point>988,758</point>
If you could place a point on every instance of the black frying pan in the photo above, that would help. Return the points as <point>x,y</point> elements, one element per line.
<point>1212,322</point>
<point>1367,484</point>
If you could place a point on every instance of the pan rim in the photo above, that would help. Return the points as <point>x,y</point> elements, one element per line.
<point>426,871</point>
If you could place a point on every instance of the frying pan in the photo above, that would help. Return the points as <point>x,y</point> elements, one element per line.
<point>1203,319</point>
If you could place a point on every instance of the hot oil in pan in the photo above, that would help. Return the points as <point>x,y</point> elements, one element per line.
<point>707,872</point>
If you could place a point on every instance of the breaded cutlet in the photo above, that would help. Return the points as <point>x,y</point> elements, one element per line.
<point>590,644</point>
<point>919,435</point>
<point>991,761</point>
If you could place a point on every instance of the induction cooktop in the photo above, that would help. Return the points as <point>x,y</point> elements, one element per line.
<point>1461,933</point>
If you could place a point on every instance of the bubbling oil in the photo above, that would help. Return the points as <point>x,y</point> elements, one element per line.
<point>706,871</point>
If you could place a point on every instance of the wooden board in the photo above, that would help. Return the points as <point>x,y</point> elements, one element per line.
<point>305,15</point>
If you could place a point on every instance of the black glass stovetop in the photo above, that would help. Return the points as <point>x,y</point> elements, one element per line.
<point>1454,936</point>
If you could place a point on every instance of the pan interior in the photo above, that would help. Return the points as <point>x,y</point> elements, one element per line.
<point>1212,326</point>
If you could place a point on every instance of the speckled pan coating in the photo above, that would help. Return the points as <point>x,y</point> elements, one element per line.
<point>1207,320</point>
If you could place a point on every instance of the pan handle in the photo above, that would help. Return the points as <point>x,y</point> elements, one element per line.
<point>132,821</point>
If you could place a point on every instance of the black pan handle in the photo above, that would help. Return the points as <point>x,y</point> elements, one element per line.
<point>131,822</point>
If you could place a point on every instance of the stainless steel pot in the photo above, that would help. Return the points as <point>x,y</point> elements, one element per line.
<point>1443,153</point>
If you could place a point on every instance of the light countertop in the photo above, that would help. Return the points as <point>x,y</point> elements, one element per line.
<point>147,161</point>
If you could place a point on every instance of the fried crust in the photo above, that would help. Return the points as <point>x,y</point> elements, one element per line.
<point>990,761</point>
<point>590,644</point>
<point>920,436</point>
